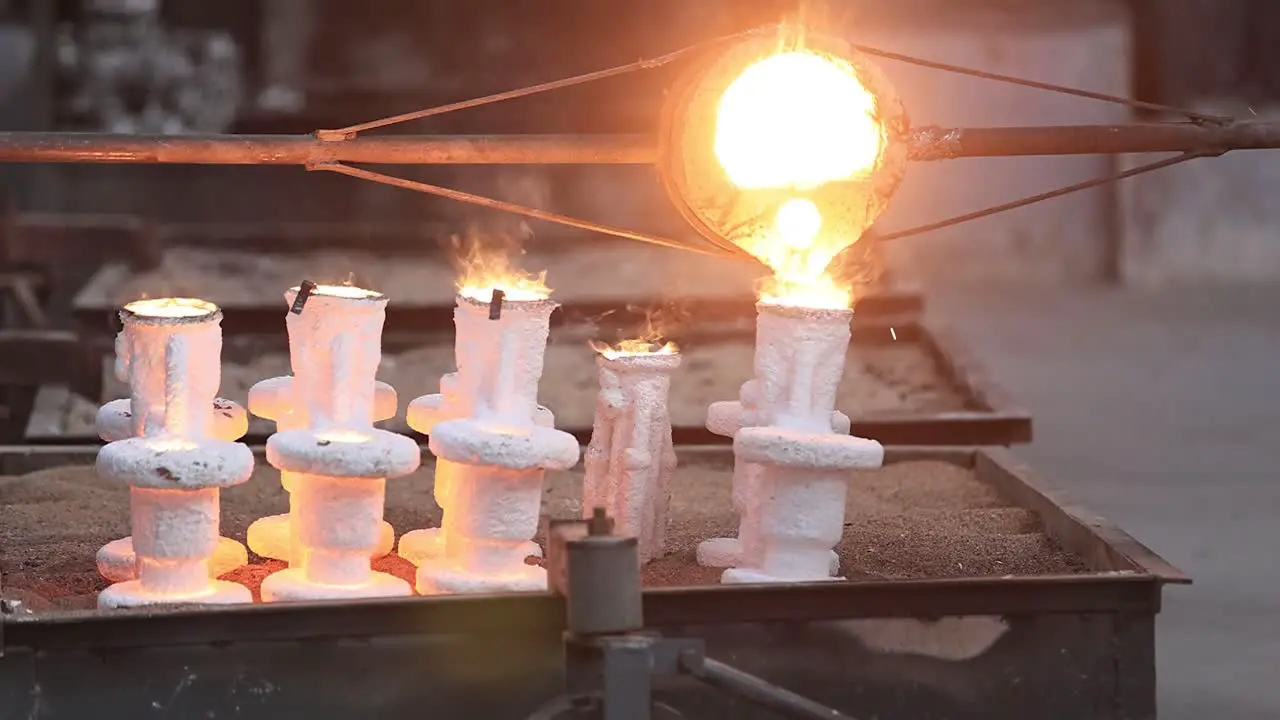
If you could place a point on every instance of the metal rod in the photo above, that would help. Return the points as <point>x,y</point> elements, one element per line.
<point>759,691</point>
<point>932,143</point>
<point>529,212</point>
<point>1023,202</point>
<point>927,144</point>
<point>1037,85</point>
<point>308,150</point>
<point>643,64</point>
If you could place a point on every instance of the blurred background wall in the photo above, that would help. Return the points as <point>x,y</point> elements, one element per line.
<point>297,65</point>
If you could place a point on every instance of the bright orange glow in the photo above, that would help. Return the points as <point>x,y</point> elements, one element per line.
<point>795,121</point>
<point>799,277</point>
<point>349,292</point>
<point>350,437</point>
<point>822,293</point>
<point>633,348</point>
<point>171,308</point>
<point>484,271</point>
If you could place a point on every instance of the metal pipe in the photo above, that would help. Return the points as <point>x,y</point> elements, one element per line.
<point>927,144</point>
<point>310,150</point>
<point>933,143</point>
<point>756,690</point>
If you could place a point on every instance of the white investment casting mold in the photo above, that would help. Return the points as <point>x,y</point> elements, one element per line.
<point>493,444</point>
<point>175,459</point>
<point>227,421</point>
<point>273,399</point>
<point>630,460</point>
<point>457,399</point>
<point>337,462</point>
<point>792,451</point>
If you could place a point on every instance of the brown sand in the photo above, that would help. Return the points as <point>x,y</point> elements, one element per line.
<point>921,519</point>
<point>880,381</point>
<point>230,278</point>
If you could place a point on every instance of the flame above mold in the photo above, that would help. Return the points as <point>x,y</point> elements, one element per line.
<point>659,323</point>
<point>483,268</point>
<point>633,348</point>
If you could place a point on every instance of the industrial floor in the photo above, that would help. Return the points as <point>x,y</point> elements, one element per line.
<point>1161,410</point>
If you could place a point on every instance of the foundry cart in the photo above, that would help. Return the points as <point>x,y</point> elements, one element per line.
<point>1050,647</point>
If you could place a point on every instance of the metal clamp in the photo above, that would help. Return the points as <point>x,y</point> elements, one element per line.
<point>610,660</point>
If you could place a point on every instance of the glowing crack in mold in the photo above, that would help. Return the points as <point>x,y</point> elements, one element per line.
<point>336,461</point>
<point>275,536</point>
<point>176,456</point>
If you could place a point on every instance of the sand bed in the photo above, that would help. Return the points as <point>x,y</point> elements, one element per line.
<point>918,519</point>
<point>880,381</point>
<point>609,272</point>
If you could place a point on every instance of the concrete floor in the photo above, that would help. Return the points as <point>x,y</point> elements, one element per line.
<point>1161,410</point>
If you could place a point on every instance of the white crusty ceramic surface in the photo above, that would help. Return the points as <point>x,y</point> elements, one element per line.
<point>334,463</point>
<point>480,442</point>
<point>792,451</point>
<point>227,420</point>
<point>630,459</point>
<point>368,453</point>
<point>493,443</point>
<point>171,442</point>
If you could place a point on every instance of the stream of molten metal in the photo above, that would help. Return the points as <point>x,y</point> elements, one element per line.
<point>792,122</point>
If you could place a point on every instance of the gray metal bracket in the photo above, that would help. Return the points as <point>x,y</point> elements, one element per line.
<point>610,661</point>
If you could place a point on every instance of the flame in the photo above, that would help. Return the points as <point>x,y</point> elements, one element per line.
<point>794,121</point>
<point>171,307</point>
<point>483,270</point>
<point>633,348</point>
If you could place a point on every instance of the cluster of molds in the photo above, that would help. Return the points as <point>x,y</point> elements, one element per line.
<point>172,441</point>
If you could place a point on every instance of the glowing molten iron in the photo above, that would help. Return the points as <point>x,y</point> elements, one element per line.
<point>633,348</point>
<point>347,291</point>
<point>171,308</point>
<point>792,122</point>
<point>482,272</point>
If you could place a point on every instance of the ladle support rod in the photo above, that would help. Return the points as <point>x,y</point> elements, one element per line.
<point>927,143</point>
